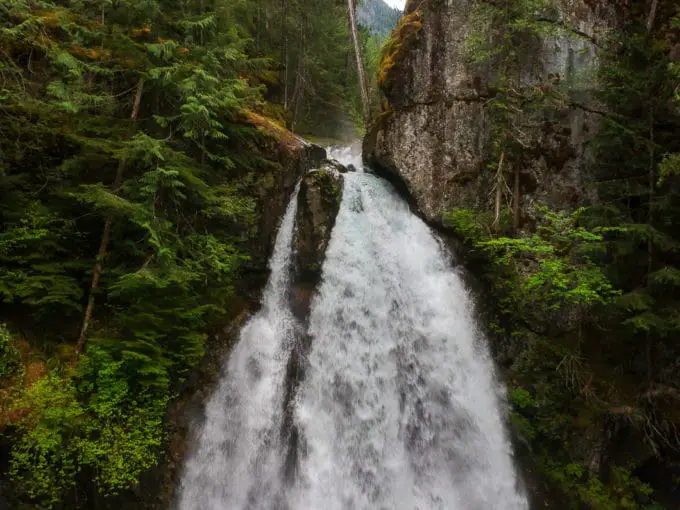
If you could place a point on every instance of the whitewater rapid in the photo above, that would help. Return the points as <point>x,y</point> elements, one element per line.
<point>399,407</point>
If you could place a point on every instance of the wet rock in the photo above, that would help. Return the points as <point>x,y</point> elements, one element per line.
<point>274,190</point>
<point>318,205</point>
<point>333,167</point>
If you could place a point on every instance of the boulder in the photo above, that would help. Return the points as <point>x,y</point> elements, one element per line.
<point>318,205</point>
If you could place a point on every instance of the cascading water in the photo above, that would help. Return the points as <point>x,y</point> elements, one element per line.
<point>238,458</point>
<point>398,408</point>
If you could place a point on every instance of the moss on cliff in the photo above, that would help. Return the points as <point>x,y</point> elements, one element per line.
<point>397,47</point>
<point>328,184</point>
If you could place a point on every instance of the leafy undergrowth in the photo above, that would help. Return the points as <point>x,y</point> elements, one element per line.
<point>21,367</point>
<point>551,298</point>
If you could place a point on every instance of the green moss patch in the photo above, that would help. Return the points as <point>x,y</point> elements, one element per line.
<point>397,47</point>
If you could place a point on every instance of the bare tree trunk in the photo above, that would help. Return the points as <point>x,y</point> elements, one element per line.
<point>515,216</point>
<point>284,53</point>
<point>650,219</point>
<point>257,27</point>
<point>360,65</point>
<point>652,15</point>
<point>499,191</point>
<point>650,213</point>
<point>104,243</point>
<point>300,77</point>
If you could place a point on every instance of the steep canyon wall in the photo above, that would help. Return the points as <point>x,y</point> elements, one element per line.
<point>436,131</point>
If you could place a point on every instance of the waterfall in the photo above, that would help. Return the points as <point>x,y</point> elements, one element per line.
<point>399,407</point>
<point>238,457</point>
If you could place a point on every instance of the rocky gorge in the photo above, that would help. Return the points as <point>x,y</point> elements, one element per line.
<point>509,132</point>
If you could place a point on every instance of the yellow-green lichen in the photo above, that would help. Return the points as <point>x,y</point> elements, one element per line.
<point>397,46</point>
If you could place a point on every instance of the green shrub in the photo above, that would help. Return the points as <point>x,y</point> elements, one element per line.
<point>9,355</point>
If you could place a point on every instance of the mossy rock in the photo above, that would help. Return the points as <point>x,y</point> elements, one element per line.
<point>396,49</point>
<point>318,205</point>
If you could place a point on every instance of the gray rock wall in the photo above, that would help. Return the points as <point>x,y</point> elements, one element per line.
<point>435,134</point>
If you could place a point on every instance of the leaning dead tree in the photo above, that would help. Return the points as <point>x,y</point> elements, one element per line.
<point>104,243</point>
<point>360,65</point>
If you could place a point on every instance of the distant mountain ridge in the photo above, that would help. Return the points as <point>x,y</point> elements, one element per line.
<point>378,17</point>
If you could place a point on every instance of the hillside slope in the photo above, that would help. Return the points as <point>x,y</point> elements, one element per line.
<point>378,17</point>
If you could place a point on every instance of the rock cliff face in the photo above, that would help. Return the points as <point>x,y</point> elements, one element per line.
<point>435,133</point>
<point>296,157</point>
<point>318,204</point>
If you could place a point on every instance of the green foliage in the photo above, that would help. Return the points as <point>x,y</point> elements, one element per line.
<point>509,38</point>
<point>9,356</point>
<point>669,166</point>
<point>636,170</point>
<point>378,17</point>
<point>137,115</point>
<point>507,32</point>
<point>550,269</point>
<point>28,273</point>
<point>94,424</point>
<point>308,46</point>
<point>549,285</point>
<point>588,298</point>
<point>592,491</point>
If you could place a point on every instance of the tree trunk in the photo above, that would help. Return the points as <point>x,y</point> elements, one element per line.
<point>257,27</point>
<point>515,216</point>
<point>298,91</point>
<point>104,243</point>
<point>650,214</point>
<point>652,15</point>
<point>650,220</point>
<point>360,65</point>
<point>499,191</point>
<point>284,52</point>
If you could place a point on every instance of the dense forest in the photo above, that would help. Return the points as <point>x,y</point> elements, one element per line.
<point>133,145</point>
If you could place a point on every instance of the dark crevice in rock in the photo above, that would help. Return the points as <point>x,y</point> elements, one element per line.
<point>589,109</point>
<point>448,101</point>
<point>573,30</point>
<point>398,183</point>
